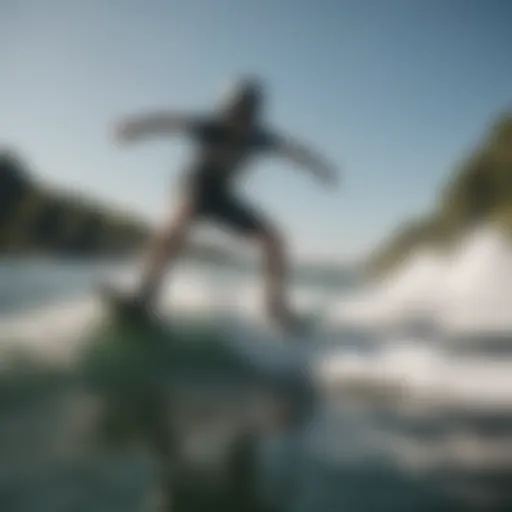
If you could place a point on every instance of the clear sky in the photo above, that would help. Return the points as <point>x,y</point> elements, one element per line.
<point>394,91</point>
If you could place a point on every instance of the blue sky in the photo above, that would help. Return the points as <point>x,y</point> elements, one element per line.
<point>394,91</point>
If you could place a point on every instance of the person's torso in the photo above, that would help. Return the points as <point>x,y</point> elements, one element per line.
<point>221,155</point>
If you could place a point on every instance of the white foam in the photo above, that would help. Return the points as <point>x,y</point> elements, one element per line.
<point>477,293</point>
<point>466,291</point>
<point>415,372</point>
<point>56,329</point>
<point>422,370</point>
<point>53,332</point>
<point>410,292</point>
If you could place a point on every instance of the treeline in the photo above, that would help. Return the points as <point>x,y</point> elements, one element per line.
<point>34,220</point>
<point>480,190</point>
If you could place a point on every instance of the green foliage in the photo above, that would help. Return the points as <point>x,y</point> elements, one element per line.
<point>36,220</point>
<point>480,190</point>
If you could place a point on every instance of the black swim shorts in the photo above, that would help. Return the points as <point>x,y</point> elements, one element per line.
<point>216,202</point>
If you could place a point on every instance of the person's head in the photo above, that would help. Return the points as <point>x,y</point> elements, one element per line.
<point>242,103</point>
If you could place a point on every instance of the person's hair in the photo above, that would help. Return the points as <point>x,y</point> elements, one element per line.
<point>244,95</point>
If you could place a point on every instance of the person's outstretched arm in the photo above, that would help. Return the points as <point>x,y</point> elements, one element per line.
<point>307,158</point>
<point>156,123</point>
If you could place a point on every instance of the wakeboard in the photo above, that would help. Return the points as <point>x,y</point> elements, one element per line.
<point>125,308</point>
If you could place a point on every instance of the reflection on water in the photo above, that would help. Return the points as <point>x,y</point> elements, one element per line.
<point>401,425</point>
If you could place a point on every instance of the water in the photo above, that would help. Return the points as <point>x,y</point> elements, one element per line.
<point>405,423</point>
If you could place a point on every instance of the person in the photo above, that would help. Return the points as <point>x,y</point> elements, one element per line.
<point>225,141</point>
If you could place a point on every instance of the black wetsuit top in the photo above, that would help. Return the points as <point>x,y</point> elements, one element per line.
<point>220,158</point>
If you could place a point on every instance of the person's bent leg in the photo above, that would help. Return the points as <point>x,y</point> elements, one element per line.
<point>166,247</point>
<point>250,223</point>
